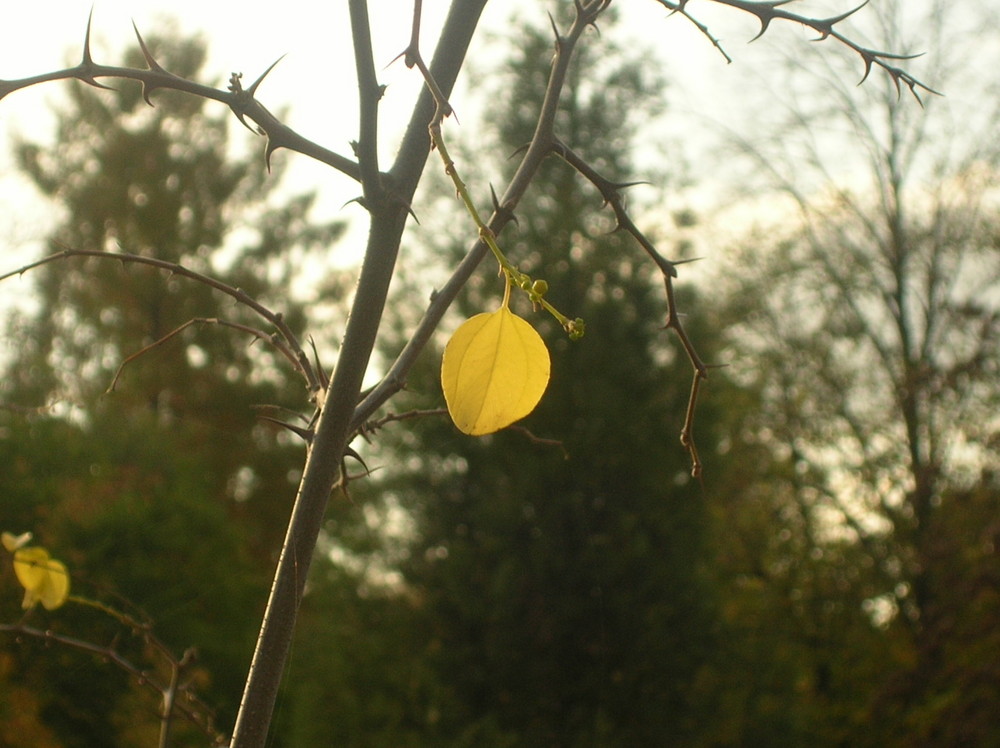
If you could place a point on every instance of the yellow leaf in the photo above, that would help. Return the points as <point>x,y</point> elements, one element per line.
<point>12,542</point>
<point>44,579</point>
<point>494,371</point>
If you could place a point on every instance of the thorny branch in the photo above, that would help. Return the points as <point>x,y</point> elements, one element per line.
<point>612,194</point>
<point>767,11</point>
<point>240,100</point>
<point>257,335</point>
<point>285,340</point>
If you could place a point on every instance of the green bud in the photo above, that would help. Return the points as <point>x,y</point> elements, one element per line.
<point>576,328</point>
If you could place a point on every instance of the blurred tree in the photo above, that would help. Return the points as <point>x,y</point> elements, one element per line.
<point>161,492</point>
<point>872,328</point>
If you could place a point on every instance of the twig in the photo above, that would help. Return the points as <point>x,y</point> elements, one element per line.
<point>292,347</point>
<point>193,709</point>
<point>369,93</point>
<point>257,334</point>
<point>612,194</point>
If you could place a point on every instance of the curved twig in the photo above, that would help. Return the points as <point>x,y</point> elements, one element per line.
<point>274,340</point>
<point>612,194</point>
<point>295,354</point>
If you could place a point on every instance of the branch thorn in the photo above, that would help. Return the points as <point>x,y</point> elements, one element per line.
<point>253,87</point>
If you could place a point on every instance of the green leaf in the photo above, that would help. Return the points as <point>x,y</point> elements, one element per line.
<point>494,371</point>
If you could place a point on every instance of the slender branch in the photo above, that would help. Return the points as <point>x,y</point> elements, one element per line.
<point>574,327</point>
<point>257,334</point>
<point>370,427</point>
<point>612,194</point>
<point>369,93</point>
<point>291,348</point>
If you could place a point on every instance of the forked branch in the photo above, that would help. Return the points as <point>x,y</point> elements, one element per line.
<point>537,150</point>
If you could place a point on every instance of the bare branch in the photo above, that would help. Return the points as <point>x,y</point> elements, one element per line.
<point>767,11</point>
<point>194,709</point>
<point>369,93</point>
<point>257,334</point>
<point>612,194</point>
<point>294,353</point>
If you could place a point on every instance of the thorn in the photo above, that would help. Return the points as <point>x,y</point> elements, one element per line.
<point>323,379</point>
<point>405,53</point>
<point>555,30</point>
<point>360,200</point>
<point>87,59</point>
<point>242,118</point>
<point>306,434</point>
<point>868,60</point>
<point>765,22</point>
<point>150,61</point>
<point>253,87</point>
<point>619,186</point>
<point>268,150</point>
<point>518,151</point>
<point>831,22</point>
<point>350,452</point>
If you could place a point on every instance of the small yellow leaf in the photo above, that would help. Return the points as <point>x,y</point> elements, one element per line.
<point>12,542</point>
<point>494,371</point>
<point>44,579</point>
